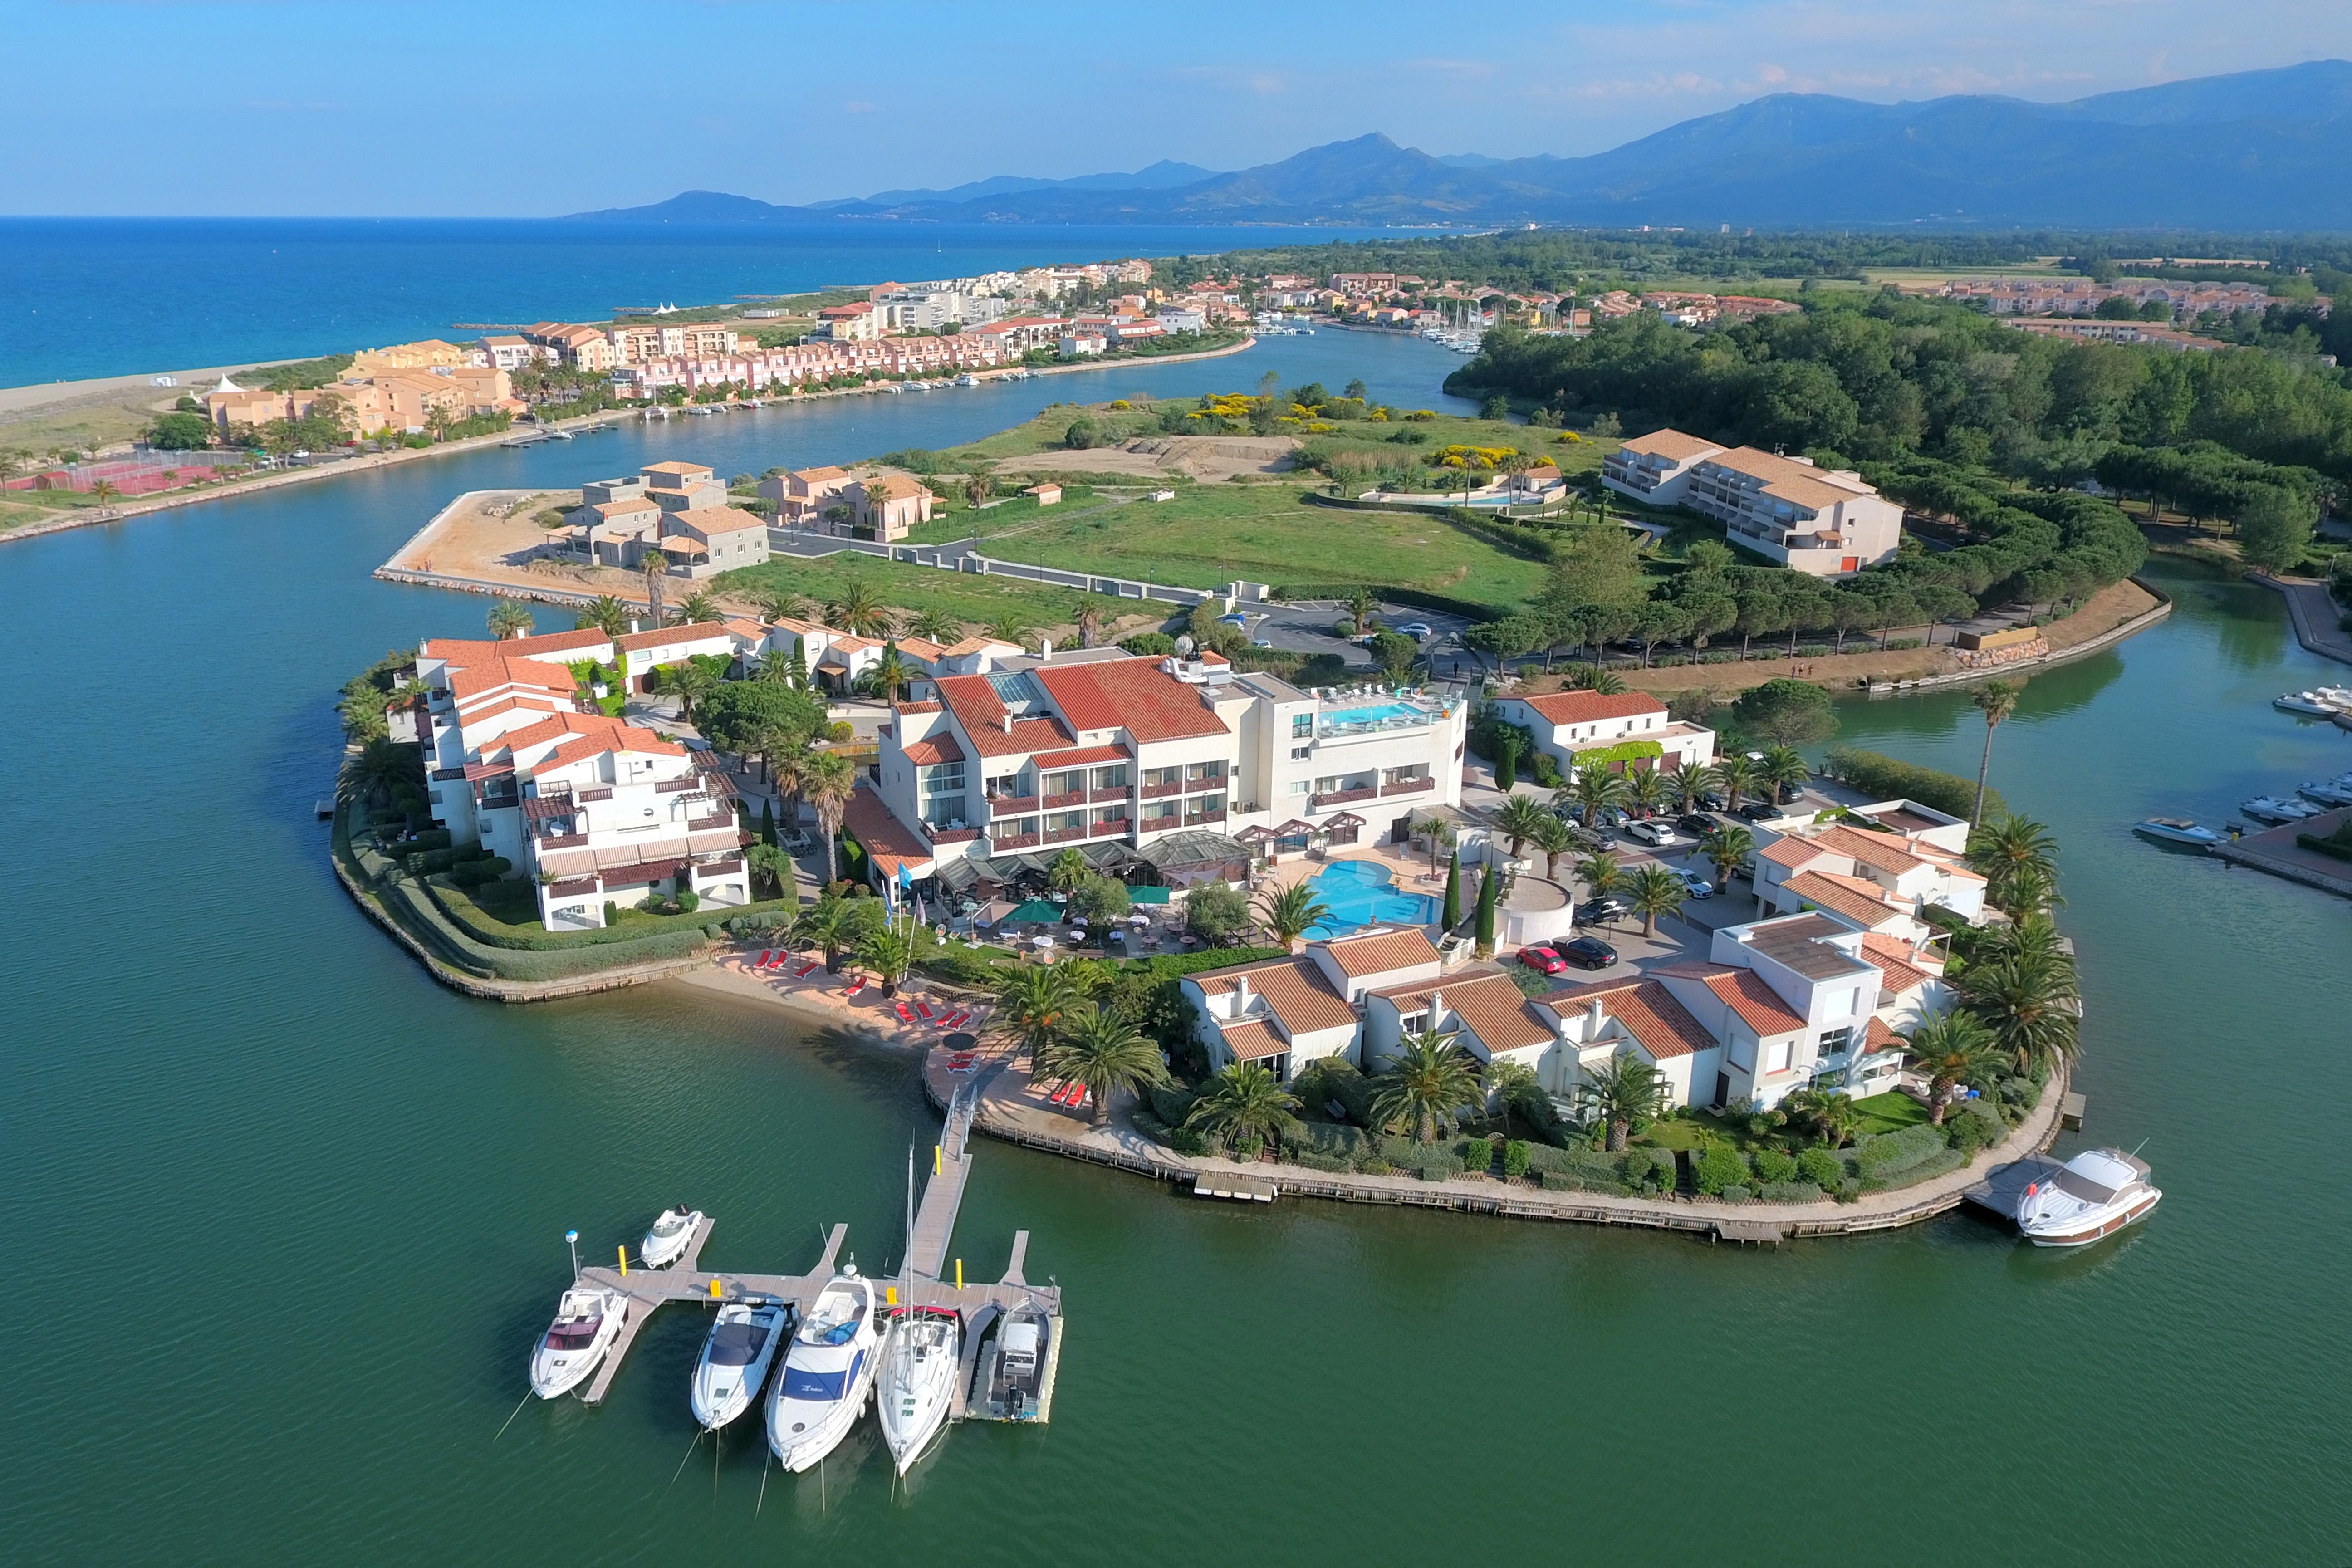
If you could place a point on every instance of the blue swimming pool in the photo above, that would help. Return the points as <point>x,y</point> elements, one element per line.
<point>1379,713</point>
<point>1360,893</point>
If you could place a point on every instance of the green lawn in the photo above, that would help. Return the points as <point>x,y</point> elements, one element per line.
<point>970,597</point>
<point>1888,1112</point>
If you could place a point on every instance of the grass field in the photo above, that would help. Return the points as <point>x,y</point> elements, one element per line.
<point>1888,1112</point>
<point>975,600</point>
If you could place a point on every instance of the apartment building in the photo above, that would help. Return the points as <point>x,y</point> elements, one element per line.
<point>583,348</point>
<point>403,402</point>
<point>858,322</point>
<point>679,508</point>
<point>1881,878</point>
<point>509,351</point>
<point>1096,745</point>
<point>1283,1013</point>
<point>1823,522</point>
<point>1631,730</point>
<point>639,343</point>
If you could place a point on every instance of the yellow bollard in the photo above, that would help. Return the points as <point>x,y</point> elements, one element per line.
<point>935,1159</point>
<point>715,1291</point>
<point>624,1260</point>
<point>890,1295</point>
<point>959,1273</point>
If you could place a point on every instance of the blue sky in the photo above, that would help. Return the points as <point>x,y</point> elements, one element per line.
<point>314,107</point>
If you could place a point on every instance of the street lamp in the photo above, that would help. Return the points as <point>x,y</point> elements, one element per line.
<point>572,1240</point>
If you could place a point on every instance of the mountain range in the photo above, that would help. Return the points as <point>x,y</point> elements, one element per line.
<point>2255,150</point>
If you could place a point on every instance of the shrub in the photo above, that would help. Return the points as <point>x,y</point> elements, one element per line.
<point>474,873</point>
<point>1821,1167</point>
<point>1172,1103</point>
<point>1718,1165</point>
<point>1975,1124</point>
<point>1775,1165</point>
<point>1150,1126</point>
<point>1726,657</point>
<point>1345,1145</point>
<point>1736,1194</point>
<point>689,901</point>
<point>1904,645</point>
<point>1815,650</point>
<point>1890,1153</point>
<point>1651,1168</point>
<point>1149,644</point>
<point>1543,1158</point>
<point>1189,1140</point>
<point>1883,778</point>
<point>1478,1155</point>
<point>2022,1092</point>
<point>1518,1155</point>
<point>1789,1193</point>
<point>1314,1160</point>
<point>1437,1165</point>
<point>1559,1180</point>
<point>1248,1146</point>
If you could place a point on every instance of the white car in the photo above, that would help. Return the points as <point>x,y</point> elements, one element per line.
<point>1652,832</point>
<point>1417,630</point>
<point>1700,884</point>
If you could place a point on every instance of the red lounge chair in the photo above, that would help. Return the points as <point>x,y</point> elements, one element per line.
<point>925,1009</point>
<point>855,986</point>
<point>958,1021</point>
<point>761,962</point>
<point>906,1013</point>
<point>805,970</point>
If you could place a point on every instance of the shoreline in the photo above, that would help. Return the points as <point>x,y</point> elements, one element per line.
<point>98,516</point>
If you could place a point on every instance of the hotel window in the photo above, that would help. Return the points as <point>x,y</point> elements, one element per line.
<point>1064,821</point>
<point>1836,1040</point>
<point>1158,813</point>
<point>1302,726</point>
<point>1300,754</point>
<point>1154,778</point>
<point>1113,777</point>
<point>1301,786</point>
<point>1205,772</point>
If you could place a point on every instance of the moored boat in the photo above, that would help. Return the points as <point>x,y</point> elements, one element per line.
<point>828,1373</point>
<point>915,1384</point>
<point>2326,792</point>
<point>1011,1377</point>
<point>587,1322</point>
<point>2175,830</point>
<point>2277,810</point>
<point>2304,702</point>
<point>2095,1194</point>
<point>666,1242</point>
<point>737,1356</point>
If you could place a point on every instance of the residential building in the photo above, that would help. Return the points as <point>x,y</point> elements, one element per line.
<point>1078,345</point>
<point>1881,879</point>
<point>802,495</point>
<point>1183,319</point>
<point>856,323</point>
<point>583,348</point>
<point>1632,1015</point>
<point>510,351</point>
<point>640,343</point>
<point>885,506</point>
<point>429,353</point>
<point>1631,730</point>
<point>681,508</point>
<point>1823,522</point>
<point>1480,1010</point>
<point>1284,1013</point>
<point>714,539</point>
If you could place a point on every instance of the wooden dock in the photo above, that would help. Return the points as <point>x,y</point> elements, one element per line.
<point>2003,1187</point>
<point>927,1247</point>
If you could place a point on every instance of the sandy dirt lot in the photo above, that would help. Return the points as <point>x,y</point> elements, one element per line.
<point>1209,458</point>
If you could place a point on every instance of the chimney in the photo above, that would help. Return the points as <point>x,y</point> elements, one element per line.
<point>1241,994</point>
<point>1594,1018</point>
<point>1436,1009</point>
<point>1008,720</point>
<point>1046,650</point>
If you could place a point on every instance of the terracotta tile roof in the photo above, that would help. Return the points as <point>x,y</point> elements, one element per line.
<point>529,701</point>
<point>980,711</point>
<point>1849,896</point>
<point>1586,706</point>
<point>891,842</point>
<point>720,519</point>
<point>1902,951</point>
<point>1486,1002</point>
<point>933,749</point>
<point>977,645</point>
<point>1132,694</point>
<point>1880,1036</point>
<point>1647,1010</point>
<point>609,510</point>
<point>1897,975</point>
<point>923,648</point>
<point>1745,993</point>
<point>1671,443</point>
<point>614,732</point>
<point>1790,480</point>
<point>1791,852</point>
<point>1084,756</point>
<point>920,708</point>
<point>1877,849</point>
<point>551,644</point>
<point>1381,953</point>
<point>1253,1041</point>
<point>818,476</point>
<point>678,468</point>
<point>678,636</point>
<point>490,674</point>
<point>683,544</point>
<point>1300,999</point>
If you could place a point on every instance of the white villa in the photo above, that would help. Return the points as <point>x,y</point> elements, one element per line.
<point>1878,878</point>
<point>1566,724</point>
<point>1283,1013</point>
<point>1822,521</point>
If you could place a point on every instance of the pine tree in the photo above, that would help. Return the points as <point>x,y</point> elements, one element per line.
<point>1452,909</point>
<point>1486,914</point>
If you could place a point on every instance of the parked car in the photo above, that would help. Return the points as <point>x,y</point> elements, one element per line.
<point>1650,832</point>
<point>1700,884</point>
<point>1759,811</point>
<point>1543,959</point>
<point>1235,619</point>
<point>1698,824</point>
<point>1588,952</point>
<point>1417,630</point>
<point>1599,911</point>
<point>1710,803</point>
<point>1791,794</point>
<point>1261,642</point>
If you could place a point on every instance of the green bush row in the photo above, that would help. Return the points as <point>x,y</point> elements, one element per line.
<point>1887,778</point>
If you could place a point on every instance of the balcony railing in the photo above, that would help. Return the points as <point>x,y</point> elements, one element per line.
<point>572,888</point>
<point>587,795</point>
<point>1409,787</point>
<point>1341,796</point>
<point>671,786</point>
<point>954,835</point>
<point>1117,826</point>
<point>1201,818</point>
<point>1163,790</point>
<point>709,823</point>
<point>1206,781</point>
<point>1003,805</point>
<point>1013,841</point>
<point>1068,797</point>
<point>1107,796</point>
<point>1160,823</point>
<point>563,841</point>
<point>1064,835</point>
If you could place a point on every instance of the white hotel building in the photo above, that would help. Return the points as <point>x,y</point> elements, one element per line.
<point>1823,522</point>
<point>1033,754</point>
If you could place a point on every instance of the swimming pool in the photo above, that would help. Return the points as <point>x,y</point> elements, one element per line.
<point>1379,713</point>
<point>1360,893</point>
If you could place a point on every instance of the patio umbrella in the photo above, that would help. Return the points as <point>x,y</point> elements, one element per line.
<point>1036,912</point>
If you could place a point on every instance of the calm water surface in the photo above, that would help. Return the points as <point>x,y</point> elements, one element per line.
<point>288,1214</point>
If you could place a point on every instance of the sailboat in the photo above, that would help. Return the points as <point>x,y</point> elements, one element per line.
<point>917,1379</point>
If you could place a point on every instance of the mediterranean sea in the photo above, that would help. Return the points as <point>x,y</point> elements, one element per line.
<point>287,1214</point>
<point>93,297</point>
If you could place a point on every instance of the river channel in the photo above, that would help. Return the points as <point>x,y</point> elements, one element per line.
<point>287,1216</point>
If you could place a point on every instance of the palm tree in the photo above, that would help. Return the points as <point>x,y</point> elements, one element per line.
<point>1593,789</point>
<point>1655,891</point>
<point>1954,1049</point>
<point>834,924</point>
<point>689,681</point>
<point>102,492</point>
<point>1552,838</point>
<point>2030,1004</point>
<point>377,772</point>
<point>888,676</point>
<point>653,563</point>
<point>858,611</point>
<point>781,605</point>
<point>936,625</point>
<point>1622,1093</point>
<point>1089,621</point>
<point>2032,935</point>
<point>1510,1084</point>
<point>1646,790</point>
<point>1429,1080</point>
<point>1520,818</point>
<point>700,608</point>
<point>1592,678</point>
<point>1996,700</point>
<point>1289,913</point>
<point>1601,873</point>
<point>2005,849</point>
<point>1245,1101</point>
<point>1693,780</point>
<point>509,619</point>
<point>888,949</point>
<point>1361,607</point>
<point>1439,834</point>
<point>1009,628</point>
<point>1098,1048</point>
<point>1032,1003</point>
<point>607,615</point>
<point>1829,1112</point>
<point>1067,872</point>
<point>1739,775</point>
<point>2023,892</point>
<point>827,780</point>
<point>1727,849</point>
<point>1783,766</point>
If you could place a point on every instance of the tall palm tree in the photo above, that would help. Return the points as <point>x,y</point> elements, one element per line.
<point>1693,780</point>
<point>1622,1093</point>
<point>2033,935</point>
<point>2022,891</point>
<point>858,610</point>
<point>700,608</point>
<point>1067,871</point>
<point>1520,818</point>
<point>1592,789</point>
<point>1996,700</point>
<point>827,780</point>
<point>783,604</point>
<point>1289,913</point>
<point>1246,1101</point>
<point>1829,1112</point>
<point>1726,850</point>
<point>2030,1004</point>
<point>1954,1049</point>
<point>936,625</point>
<point>1647,790</point>
<point>1739,775</point>
<point>653,563</point>
<point>689,680</point>
<point>2003,849</point>
<point>1783,766</point>
<point>102,492</point>
<point>1552,838</point>
<point>1439,834</point>
<point>1605,682</point>
<point>1009,628</point>
<point>1654,891</point>
<point>888,949</point>
<point>837,925</point>
<point>1426,1083</point>
<point>889,675</point>
<point>509,619</point>
<point>377,772</point>
<point>1032,1003</point>
<point>1098,1048</point>
<point>607,615</point>
<point>1361,607</point>
<point>1601,873</point>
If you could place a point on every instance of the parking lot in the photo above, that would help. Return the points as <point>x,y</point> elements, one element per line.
<point>1305,627</point>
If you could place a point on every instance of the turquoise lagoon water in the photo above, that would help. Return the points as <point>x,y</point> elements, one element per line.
<point>1360,893</point>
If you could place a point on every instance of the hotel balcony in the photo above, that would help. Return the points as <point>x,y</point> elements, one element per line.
<point>1115,794</point>
<point>1068,797</point>
<point>1163,790</point>
<point>953,834</point>
<point>1003,805</point>
<point>1203,818</point>
<point>1011,842</point>
<point>1341,796</point>
<point>1064,835</point>
<point>1408,786</point>
<point>1115,827</point>
<point>562,841</point>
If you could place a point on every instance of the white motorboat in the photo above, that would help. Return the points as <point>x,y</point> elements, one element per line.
<point>2304,702</point>
<point>587,1321</point>
<point>916,1384</point>
<point>2277,810</point>
<point>2096,1193</point>
<point>1011,1378</point>
<point>666,1242</point>
<point>2326,792</point>
<point>967,379</point>
<point>828,1373</point>
<point>2175,830</point>
<point>736,1357</point>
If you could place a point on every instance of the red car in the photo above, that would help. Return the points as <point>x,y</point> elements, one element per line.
<point>1543,958</point>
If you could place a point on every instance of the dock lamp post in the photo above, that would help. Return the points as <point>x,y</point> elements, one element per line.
<point>572,1240</point>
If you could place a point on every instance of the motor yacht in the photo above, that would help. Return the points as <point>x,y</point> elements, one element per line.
<point>1012,1370</point>
<point>2175,830</point>
<point>2304,702</point>
<point>736,1357</point>
<point>666,1242</point>
<point>915,1384</point>
<point>587,1322</point>
<point>2326,792</point>
<point>828,1373</point>
<point>2277,810</point>
<point>2095,1194</point>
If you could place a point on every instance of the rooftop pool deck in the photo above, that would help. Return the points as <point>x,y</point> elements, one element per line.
<point>1371,716</point>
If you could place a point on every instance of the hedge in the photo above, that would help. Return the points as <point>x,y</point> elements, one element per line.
<point>1889,1154</point>
<point>463,913</point>
<point>1331,1141</point>
<point>1312,1161</point>
<point>1939,1163</point>
<point>1789,1193</point>
<point>1876,774</point>
<point>1718,1166</point>
<point>1173,1102</point>
<point>1822,1167</point>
